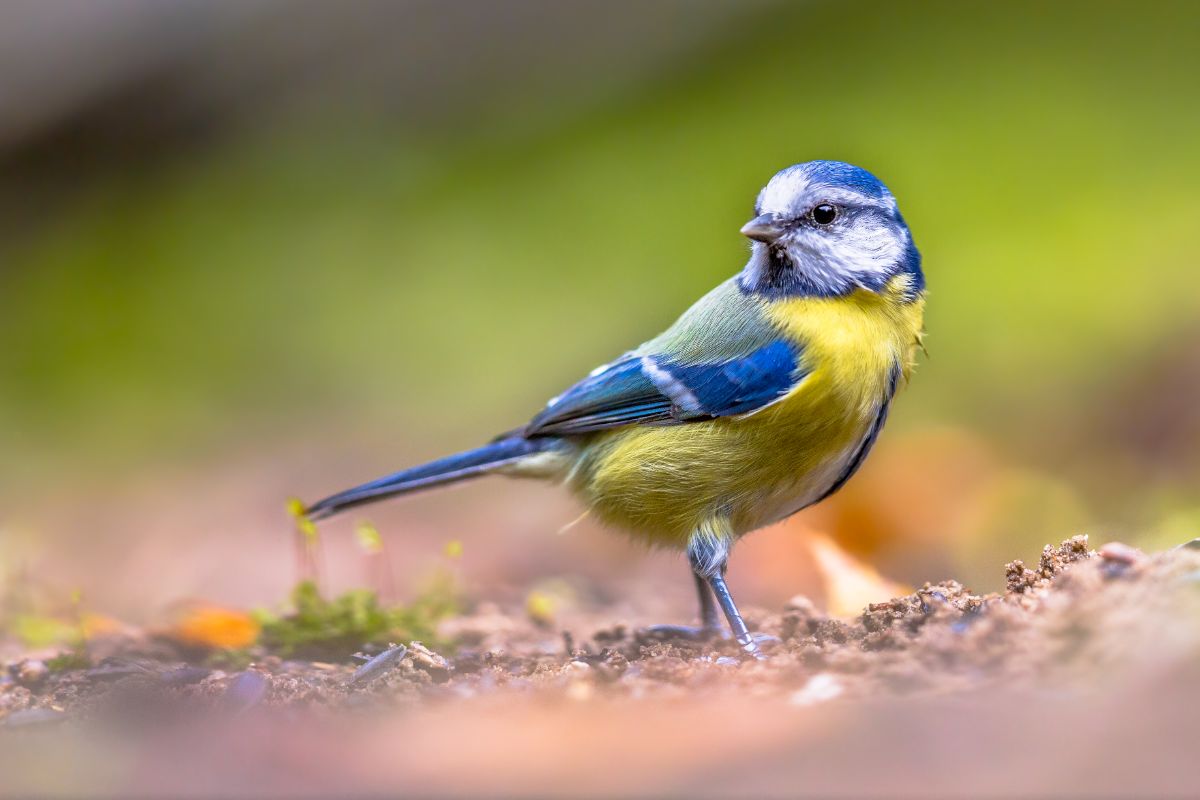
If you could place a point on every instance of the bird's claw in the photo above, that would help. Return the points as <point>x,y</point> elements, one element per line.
<point>752,647</point>
<point>754,643</point>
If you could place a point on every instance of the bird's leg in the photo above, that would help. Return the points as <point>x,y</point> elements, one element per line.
<point>708,553</point>
<point>737,625</point>
<point>710,617</point>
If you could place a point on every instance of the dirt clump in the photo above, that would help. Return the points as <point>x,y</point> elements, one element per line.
<point>1073,613</point>
<point>1020,579</point>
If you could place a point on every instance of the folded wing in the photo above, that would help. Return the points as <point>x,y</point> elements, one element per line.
<point>659,390</point>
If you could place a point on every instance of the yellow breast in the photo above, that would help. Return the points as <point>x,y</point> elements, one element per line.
<point>851,344</point>
<point>662,482</point>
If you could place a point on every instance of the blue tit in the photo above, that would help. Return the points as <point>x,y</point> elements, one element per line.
<point>762,399</point>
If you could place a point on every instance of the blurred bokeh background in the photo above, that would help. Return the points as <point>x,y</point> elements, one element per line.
<point>250,250</point>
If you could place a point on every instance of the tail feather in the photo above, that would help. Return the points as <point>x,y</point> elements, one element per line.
<point>446,470</point>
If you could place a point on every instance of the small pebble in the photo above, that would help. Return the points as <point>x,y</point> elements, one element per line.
<point>429,661</point>
<point>246,691</point>
<point>1120,553</point>
<point>32,673</point>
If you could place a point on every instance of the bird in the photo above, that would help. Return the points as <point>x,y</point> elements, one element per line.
<point>763,398</point>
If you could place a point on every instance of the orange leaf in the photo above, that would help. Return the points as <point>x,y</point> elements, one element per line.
<point>212,626</point>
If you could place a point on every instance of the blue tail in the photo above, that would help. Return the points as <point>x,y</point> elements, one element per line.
<point>450,469</point>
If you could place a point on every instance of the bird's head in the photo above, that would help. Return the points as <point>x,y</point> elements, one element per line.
<point>825,228</point>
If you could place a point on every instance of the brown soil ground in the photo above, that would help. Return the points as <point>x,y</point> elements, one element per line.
<point>1082,678</point>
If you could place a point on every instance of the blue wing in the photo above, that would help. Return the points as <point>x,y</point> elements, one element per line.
<point>656,389</point>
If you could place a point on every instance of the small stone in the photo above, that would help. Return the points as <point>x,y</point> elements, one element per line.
<point>32,673</point>
<point>246,690</point>
<point>425,659</point>
<point>1120,553</point>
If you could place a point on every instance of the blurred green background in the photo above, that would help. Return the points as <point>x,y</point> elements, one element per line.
<point>255,249</point>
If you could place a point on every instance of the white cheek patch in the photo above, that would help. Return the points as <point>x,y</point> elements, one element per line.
<point>874,251</point>
<point>860,255</point>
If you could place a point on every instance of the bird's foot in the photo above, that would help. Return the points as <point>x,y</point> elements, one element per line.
<point>753,646</point>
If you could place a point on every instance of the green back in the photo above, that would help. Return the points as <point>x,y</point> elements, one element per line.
<point>722,325</point>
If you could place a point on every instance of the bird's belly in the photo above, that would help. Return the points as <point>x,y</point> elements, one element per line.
<point>781,502</point>
<point>662,482</point>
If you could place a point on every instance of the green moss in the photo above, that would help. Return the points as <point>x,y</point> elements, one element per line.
<point>230,659</point>
<point>334,628</point>
<point>69,660</point>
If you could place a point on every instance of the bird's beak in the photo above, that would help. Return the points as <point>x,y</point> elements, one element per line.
<point>763,228</point>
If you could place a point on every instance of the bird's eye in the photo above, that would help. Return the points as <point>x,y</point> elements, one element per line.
<point>824,214</point>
